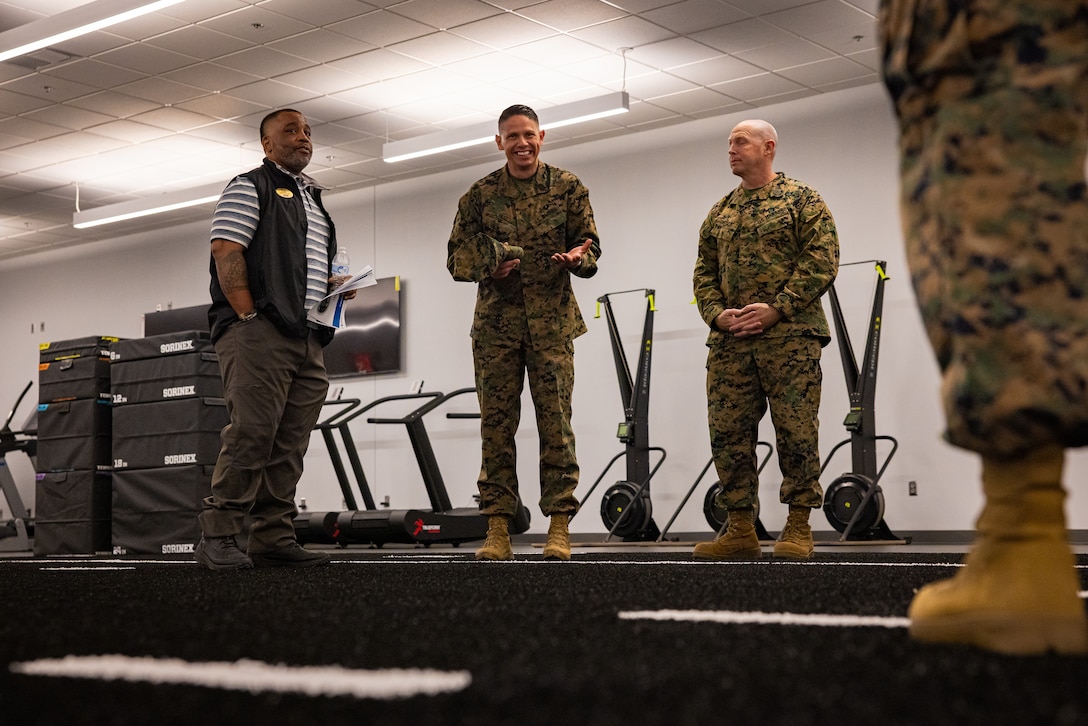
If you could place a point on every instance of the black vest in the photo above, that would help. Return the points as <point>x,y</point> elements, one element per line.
<point>276,258</point>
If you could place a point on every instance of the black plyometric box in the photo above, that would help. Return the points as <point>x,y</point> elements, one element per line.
<point>169,433</point>
<point>91,347</point>
<point>77,368</point>
<point>155,510</point>
<point>71,378</point>
<point>161,346</point>
<point>72,513</point>
<point>153,380</point>
<point>74,435</point>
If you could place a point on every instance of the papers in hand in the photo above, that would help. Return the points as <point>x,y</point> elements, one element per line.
<point>329,311</point>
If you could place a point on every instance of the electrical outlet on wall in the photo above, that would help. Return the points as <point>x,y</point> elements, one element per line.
<point>912,488</point>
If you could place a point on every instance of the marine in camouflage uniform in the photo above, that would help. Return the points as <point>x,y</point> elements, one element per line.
<point>992,101</point>
<point>525,322</point>
<point>775,244</point>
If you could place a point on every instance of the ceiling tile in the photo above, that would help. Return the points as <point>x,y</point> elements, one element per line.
<point>785,55</point>
<point>818,17</point>
<point>556,51</point>
<point>692,15</point>
<point>439,48</point>
<point>849,38</point>
<point>757,87</point>
<point>118,105</point>
<point>627,32</point>
<point>146,59</point>
<point>381,28</point>
<point>174,119</point>
<point>131,132</point>
<point>321,45</point>
<point>263,62</point>
<point>319,13</point>
<point>322,79</point>
<point>763,7</point>
<point>745,35</point>
<point>697,100</point>
<point>221,106</point>
<point>657,84</point>
<point>161,91</point>
<point>824,72</point>
<point>504,31</point>
<point>70,117</point>
<point>671,53</point>
<point>568,15</point>
<point>210,77</point>
<point>716,70</point>
<point>444,14</point>
<point>198,41</point>
<point>257,25</point>
<point>49,88</point>
<point>12,103</point>
<point>93,73</point>
<point>379,65</point>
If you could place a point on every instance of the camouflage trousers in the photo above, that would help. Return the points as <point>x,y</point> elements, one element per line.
<point>743,377</point>
<point>500,379</point>
<point>992,101</point>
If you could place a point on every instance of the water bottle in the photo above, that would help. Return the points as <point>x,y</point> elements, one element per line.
<point>341,264</point>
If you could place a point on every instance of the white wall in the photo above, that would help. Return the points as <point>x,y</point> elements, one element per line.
<point>650,191</point>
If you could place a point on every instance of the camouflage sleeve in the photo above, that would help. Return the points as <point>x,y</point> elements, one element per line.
<point>580,227</point>
<point>706,280</point>
<point>467,227</point>
<point>818,262</point>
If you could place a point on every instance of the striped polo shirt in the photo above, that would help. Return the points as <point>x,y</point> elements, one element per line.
<point>238,211</point>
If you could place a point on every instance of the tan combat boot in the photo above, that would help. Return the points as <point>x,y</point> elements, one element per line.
<point>497,544</point>
<point>1017,593</point>
<point>795,542</point>
<point>558,546</point>
<point>739,542</point>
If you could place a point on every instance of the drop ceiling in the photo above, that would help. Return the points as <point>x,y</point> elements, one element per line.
<point>173,100</point>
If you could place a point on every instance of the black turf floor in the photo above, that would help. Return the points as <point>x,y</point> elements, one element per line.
<point>542,642</point>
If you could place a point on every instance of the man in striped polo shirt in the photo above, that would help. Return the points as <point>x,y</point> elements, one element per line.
<point>271,246</point>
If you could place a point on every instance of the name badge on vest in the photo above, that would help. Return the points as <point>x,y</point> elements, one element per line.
<point>285,193</point>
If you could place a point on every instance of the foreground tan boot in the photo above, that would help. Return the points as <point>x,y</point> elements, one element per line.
<point>740,541</point>
<point>795,542</point>
<point>497,544</point>
<point>1018,592</point>
<point>558,546</point>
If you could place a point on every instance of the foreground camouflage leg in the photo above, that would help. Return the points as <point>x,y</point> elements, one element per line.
<point>740,541</point>
<point>558,546</point>
<point>1018,593</point>
<point>795,542</point>
<point>497,544</point>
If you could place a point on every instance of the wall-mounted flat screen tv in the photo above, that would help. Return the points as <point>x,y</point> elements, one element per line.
<point>370,342</point>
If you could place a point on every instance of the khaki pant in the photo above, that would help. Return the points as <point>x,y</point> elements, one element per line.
<point>274,387</point>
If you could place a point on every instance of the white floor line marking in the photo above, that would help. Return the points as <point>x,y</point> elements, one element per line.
<point>96,568</point>
<point>254,676</point>
<point>758,618</point>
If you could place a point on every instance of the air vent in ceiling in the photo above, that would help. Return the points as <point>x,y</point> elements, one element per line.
<point>40,58</point>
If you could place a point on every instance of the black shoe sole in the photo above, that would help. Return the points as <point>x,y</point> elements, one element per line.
<point>246,564</point>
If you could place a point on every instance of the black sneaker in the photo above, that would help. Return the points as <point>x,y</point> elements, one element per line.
<point>293,555</point>
<point>221,553</point>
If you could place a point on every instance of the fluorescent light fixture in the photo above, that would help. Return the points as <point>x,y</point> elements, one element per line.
<point>74,23</point>
<point>481,133</point>
<point>143,207</point>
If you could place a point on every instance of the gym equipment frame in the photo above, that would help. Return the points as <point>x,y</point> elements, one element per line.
<point>441,524</point>
<point>625,507</point>
<point>15,533</point>
<point>854,502</point>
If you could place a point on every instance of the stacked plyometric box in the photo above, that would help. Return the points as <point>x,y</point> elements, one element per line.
<point>168,412</point>
<point>72,493</point>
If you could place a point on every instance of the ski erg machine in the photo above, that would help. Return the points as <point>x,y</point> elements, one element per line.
<point>15,533</point>
<point>854,503</point>
<point>626,508</point>
<point>374,525</point>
